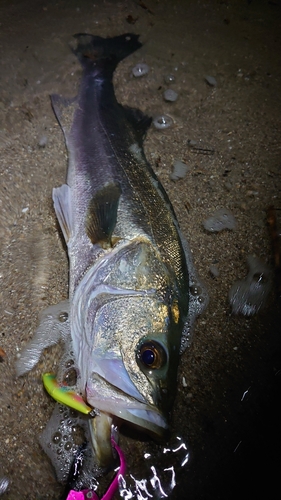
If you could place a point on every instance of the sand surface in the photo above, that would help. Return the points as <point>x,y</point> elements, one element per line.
<point>227,410</point>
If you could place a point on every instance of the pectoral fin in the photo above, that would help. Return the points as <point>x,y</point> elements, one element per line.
<point>54,326</point>
<point>101,215</point>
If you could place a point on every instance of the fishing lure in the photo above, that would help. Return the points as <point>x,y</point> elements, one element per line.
<point>63,394</point>
<point>113,487</point>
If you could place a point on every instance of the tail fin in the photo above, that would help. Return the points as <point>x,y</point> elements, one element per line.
<point>95,52</point>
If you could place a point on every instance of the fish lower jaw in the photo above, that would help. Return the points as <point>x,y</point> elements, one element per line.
<point>137,414</point>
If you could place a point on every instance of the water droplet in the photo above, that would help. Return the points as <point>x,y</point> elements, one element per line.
<point>63,317</point>
<point>70,377</point>
<point>69,363</point>
<point>162,121</point>
<point>258,278</point>
<point>68,446</point>
<point>140,70</point>
<point>169,78</point>
<point>78,435</point>
<point>195,290</point>
<point>56,437</point>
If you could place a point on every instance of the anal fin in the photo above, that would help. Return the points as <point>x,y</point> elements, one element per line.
<point>64,110</point>
<point>62,205</point>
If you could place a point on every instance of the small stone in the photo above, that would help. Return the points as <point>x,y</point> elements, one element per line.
<point>191,142</point>
<point>222,219</point>
<point>211,81</point>
<point>214,270</point>
<point>170,95</point>
<point>42,141</point>
<point>180,169</point>
<point>228,185</point>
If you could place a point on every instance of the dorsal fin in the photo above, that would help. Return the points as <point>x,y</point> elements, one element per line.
<point>101,215</point>
<point>139,120</point>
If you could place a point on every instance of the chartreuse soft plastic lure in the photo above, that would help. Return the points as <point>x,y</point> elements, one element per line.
<point>63,394</point>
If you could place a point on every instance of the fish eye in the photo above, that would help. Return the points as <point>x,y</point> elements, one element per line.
<point>151,355</point>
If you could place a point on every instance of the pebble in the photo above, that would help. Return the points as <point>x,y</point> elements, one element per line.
<point>228,185</point>
<point>42,141</point>
<point>222,219</point>
<point>180,169</point>
<point>140,69</point>
<point>170,95</point>
<point>211,81</point>
<point>162,121</point>
<point>214,270</point>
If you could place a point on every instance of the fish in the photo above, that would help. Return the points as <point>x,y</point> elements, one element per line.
<point>133,290</point>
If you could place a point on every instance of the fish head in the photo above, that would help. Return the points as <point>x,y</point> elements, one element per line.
<point>128,315</point>
<point>131,369</point>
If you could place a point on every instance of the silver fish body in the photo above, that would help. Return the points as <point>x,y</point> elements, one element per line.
<point>129,282</point>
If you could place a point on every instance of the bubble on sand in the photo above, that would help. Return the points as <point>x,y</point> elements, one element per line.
<point>162,121</point>
<point>170,78</point>
<point>249,295</point>
<point>140,69</point>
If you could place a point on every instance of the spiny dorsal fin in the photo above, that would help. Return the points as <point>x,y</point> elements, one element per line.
<point>102,215</point>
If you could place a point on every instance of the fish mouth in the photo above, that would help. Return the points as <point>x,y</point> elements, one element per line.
<point>126,408</point>
<point>111,391</point>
